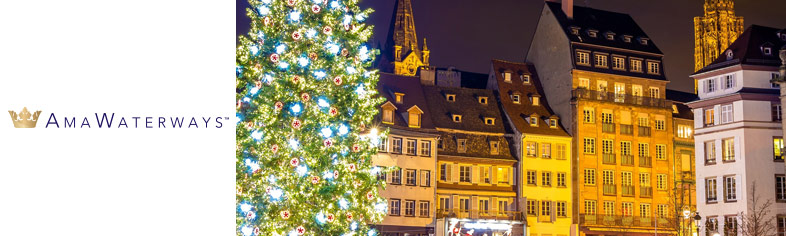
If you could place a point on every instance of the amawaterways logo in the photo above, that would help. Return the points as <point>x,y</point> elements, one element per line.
<point>108,120</point>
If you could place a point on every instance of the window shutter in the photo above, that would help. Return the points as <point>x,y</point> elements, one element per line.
<point>511,180</point>
<point>475,173</point>
<point>553,211</point>
<point>454,203</point>
<point>454,173</point>
<point>537,210</point>
<point>494,208</point>
<point>704,85</point>
<point>493,175</point>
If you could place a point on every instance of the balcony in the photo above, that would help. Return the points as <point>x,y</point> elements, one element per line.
<point>582,93</point>
<point>645,131</point>
<point>626,129</point>
<point>481,215</point>
<point>645,191</point>
<point>627,160</point>
<point>627,191</point>
<point>608,128</point>
<point>621,221</point>
<point>609,158</point>
<point>645,161</point>
<point>609,189</point>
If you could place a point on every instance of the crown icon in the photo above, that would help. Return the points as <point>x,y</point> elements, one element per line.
<point>23,120</point>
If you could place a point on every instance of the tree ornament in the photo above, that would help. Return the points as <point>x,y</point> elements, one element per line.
<point>291,3</point>
<point>349,216</point>
<point>294,162</point>
<point>355,147</point>
<point>337,80</point>
<point>274,148</point>
<point>328,143</point>
<point>296,79</point>
<point>348,27</point>
<point>305,97</point>
<point>266,20</point>
<point>239,104</point>
<point>314,179</point>
<point>285,214</point>
<point>312,56</point>
<point>351,167</point>
<point>279,106</point>
<point>327,30</point>
<point>344,52</point>
<point>335,174</point>
<point>315,9</point>
<point>296,35</point>
<point>333,111</point>
<point>250,215</point>
<point>268,189</point>
<point>274,58</point>
<point>256,230</point>
<point>370,195</point>
<point>330,218</point>
<point>301,230</point>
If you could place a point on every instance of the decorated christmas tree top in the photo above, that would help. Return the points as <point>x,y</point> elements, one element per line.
<point>305,99</point>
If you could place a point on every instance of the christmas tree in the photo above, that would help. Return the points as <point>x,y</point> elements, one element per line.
<point>305,100</point>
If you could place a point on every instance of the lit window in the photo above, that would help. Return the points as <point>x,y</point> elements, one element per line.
<point>535,100</point>
<point>635,65</point>
<point>584,83</point>
<point>709,152</point>
<point>709,117</point>
<point>532,149</point>
<point>582,58</point>
<point>414,117</point>
<point>730,188</point>
<point>619,63</point>
<point>592,33</point>
<point>589,145</point>
<point>461,145</point>
<point>601,60</point>
<point>387,116</point>
<point>653,67</point>
<point>506,76</point>
<point>728,149</point>
<point>609,35</point>
<point>503,175</point>
<point>494,145</point>
<point>399,98</point>
<point>654,92</point>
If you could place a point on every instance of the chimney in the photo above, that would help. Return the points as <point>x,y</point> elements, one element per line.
<point>567,7</point>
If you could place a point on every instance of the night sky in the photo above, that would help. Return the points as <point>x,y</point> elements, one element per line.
<point>467,34</point>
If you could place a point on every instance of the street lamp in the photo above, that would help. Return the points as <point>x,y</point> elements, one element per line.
<point>697,219</point>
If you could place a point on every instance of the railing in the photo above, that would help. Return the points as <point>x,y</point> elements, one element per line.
<point>627,160</point>
<point>626,129</point>
<point>582,93</point>
<point>627,190</point>
<point>478,214</point>
<point>622,221</point>
<point>609,158</point>
<point>645,191</point>
<point>609,189</point>
<point>645,131</point>
<point>608,128</point>
<point>645,161</point>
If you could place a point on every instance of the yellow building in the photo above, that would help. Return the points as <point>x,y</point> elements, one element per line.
<point>684,160</point>
<point>402,55</point>
<point>603,75</point>
<point>544,149</point>
<point>715,31</point>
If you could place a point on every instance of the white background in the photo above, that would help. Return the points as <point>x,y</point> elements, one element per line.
<point>134,58</point>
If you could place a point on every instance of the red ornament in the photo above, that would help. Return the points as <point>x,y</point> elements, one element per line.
<point>327,30</point>
<point>267,189</point>
<point>274,58</point>
<point>316,9</point>
<point>349,216</point>
<point>274,148</point>
<point>348,27</point>
<point>296,123</point>
<point>258,84</point>
<point>279,106</point>
<point>285,215</point>
<point>335,174</point>
<point>250,215</point>
<point>314,180</point>
<point>337,80</point>
<point>328,143</point>
<point>294,162</point>
<point>312,56</point>
<point>344,52</point>
<point>296,35</point>
<point>356,148</point>
<point>333,111</point>
<point>370,195</point>
<point>256,230</point>
<point>296,79</point>
<point>352,167</point>
<point>301,230</point>
<point>330,217</point>
<point>305,97</point>
<point>291,2</point>
<point>266,20</point>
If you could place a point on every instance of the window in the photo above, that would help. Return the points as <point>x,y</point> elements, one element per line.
<point>545,179</point>
<point>644,180</point>
<point>601,61</point>
<point>440,143</point>
<point>561,180</point>
<point>781,223</point>
<point>592,33</point>
<point>589,145</point>
<point>780,187</point>
<point>425,148</point>
<point>709,117</point>
<point>533,120</point>
<point>545,150</point>
<point>590,207</point>
<point>711,224</point>
<point>457,118</point>
<point>382,175</point>
<point>660,125</point>
<point>444,203</point>
<point>584,83</point>
<point>607,118</point>
<point>777,114</point>
<point>709,152</point>
<point>483,206</point>
<point>411,144</point>
<point>395,207</point>
<point>711,186</point>
<point>607,146</point>
<point>684,131</point>
<point>532,149</point>
<point>660,151</point>
<point>462,145</point>
<point>524,79</point>
<point>395,176</point>
<point>644,121</point>
<point>465,174</point>
<point>411,176</point>
<point>464,205</point>
<point>775,76</point>
<point>502,207</point>
<point>582,58</point>
<point>483,100</point>
<point>726,114</point>
<point>663,211</point>
<point>506,76</point>
<point>535,100</point>
<point>532,207</point>
<point>445,171</point>
<point>608,208</point>
<point>414,119</point>
<point>545,209</point>
<point>730,225</point>
<point>532,177</point>
<point>627,209</point>
<point>387,116</point>
<point>728,149</point>
<point>644,149</point>
<point>619,63</point>
<point>589,115</point>
<point>485,174</point>
<point>777,143</point>
<point>562,209</point>
<point>730,188</point>
<point>494,145</point>
<point>553,123</point>
<point>710,85</point>
<point>424,208</point>
<point>589,176</point>
<point>609,35</point>
<point>636,90</point>
<point>450,97</point>
<point>627,38</point>
<point>661,184</point>
<point>644,210</point>
<point>767,51</point>
<point>383,144</point>
<point>728,81</point>
<point>516,99</point>
<point>603,87</point>
<point>425,178</point>
<point>561,151</point>
<point>503,175</point>
<point>409,207</point>
<point>625,148</point>
<point>654,92</point>
<point>653,67</point>
<point>397,145</point>
<point>635,65</point>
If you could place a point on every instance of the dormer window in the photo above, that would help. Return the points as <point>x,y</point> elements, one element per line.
<point>516,98</point>
<point>489,120</point>
<point>525,79</point>
<point>414,116</point>
<point>674,109</point>
<point>387,112</point>
<point>494,147</point>
<point>399,98</point>
<point>553,122</point>
<point>450,97</point>
<point>729,55</point>
<point>506,76</point>
<point>535,99</point>
<point>627,38</point>
<point>574,30</point>
<point>483,100</point>
<point>781,35</point>
<point>457,118</point>
<point>533,120</point>
<point>592,33</point>
<point>644,41</point>
<point>767,51</point>
<point>610,35</point>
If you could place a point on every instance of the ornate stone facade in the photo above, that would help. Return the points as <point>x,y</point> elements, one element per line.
<point>714,31</point>
<point>403,56</point>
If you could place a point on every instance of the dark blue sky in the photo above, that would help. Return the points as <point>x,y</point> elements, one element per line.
<point>467,34</point>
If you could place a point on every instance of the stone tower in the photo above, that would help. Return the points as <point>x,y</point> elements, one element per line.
<point>714,31</point>
<point>403,55</point>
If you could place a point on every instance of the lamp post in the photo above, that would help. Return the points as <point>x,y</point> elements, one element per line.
<point>697,219</point>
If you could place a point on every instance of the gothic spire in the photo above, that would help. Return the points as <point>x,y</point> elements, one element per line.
<point>402,30</point>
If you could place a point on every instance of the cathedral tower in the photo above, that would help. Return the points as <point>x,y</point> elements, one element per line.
<point>714,31</point>
<point>403,55</point>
